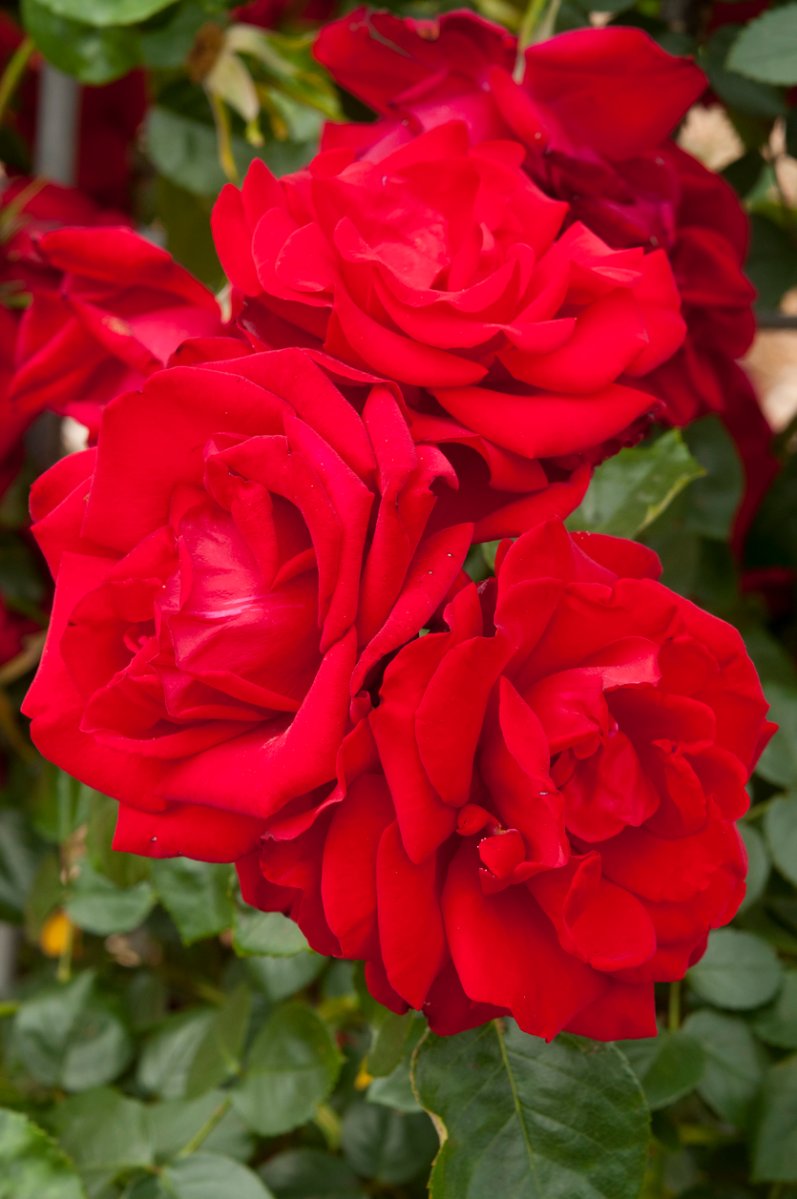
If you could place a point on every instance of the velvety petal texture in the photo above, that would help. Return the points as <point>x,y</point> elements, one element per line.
<point>543,825</point>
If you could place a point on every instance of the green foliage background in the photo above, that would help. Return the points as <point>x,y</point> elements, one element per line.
<point>162,1042</point>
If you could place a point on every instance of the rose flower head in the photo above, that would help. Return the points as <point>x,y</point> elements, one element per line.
<point>442,266</point>
<point>240,543</point>
<point>545,827</point>
<point>122,308</point>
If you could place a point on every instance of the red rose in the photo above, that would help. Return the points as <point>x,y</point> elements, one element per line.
<point>440,265</point>
<point>546,826</point>
<point>231,560</point>
<point>122,308</point>
<point>591,112</point>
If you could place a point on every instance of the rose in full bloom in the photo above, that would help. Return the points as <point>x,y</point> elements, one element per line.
<point>443,266</point>
<point>592,111</point>
<point>545,826</point>
<point>121,309</point>
<point>232,559</point>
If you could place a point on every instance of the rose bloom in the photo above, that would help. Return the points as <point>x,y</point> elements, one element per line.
<point>592,112</point>
<point>122,307</point>
<point>443,266</point>
<point>238,551</point>
<point>545,826</point>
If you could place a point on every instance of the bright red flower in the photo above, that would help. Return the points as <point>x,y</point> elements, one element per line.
<point>441,265</point>
<point>545,827</point>
<point>122,308</point>
<point>592,111</point>
<point>237,553</point>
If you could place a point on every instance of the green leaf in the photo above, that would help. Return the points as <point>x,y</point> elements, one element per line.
<point>777,1024</point>
<point>202,1176</point>
<point>739,971</point>
<point>123,869</point>
<point>271,933</point>
<point>394,1090</point>
<point>780,826</point>
<point>734,1064</point>
<point>390,1038</point>
<point>710,505</point>
<point>758,865</point>
<point>196,895</point>
<point>68,1036</point>
<point>279,978</point>
<point>757,99</point>
<point>389,1147</point>
<point>61,804</point>
<point>101,13</point>
<point>91,55</point>
<point>778,763</point>
<point>291,1068</point>
<point>561,1121</point>
<point>310,1174</point>
<point>32,1166</point>
<point>174,1122</point>
<point>97,905</point>
<point>104,1133</point>
<point>166,44</point>
<point>218,1054</point>
<point>774,1148</point>
<point>167,1056</point>
<point>668,1066</point>
<point>629,491</point>
<point>766,49</point>
<point>771,262</point>
<point>20,853</point>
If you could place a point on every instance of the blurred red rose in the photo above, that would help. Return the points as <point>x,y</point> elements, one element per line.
<point>110,118</point>
<point>441,265</point>
<point>240,549</point>
<point>592,111</point>
<point>122,307</point>
<point>545,827</point>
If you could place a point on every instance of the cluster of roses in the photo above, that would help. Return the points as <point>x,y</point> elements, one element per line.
<point>516,797</point>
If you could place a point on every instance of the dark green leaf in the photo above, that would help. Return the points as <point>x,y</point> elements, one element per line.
<point>310,1174</point>
<point>561,1121</point>
<point>710,505</point>
<point>629,491</point>
<point>772,261</point>
<point>291,1068</point>
<point>757,99</point>
<point>168,1053</point>
<point>123,869</point>
<point>390,1037</point>
<point>105,1134</point>
<point>92,55</point>
<point>269,933</point>
<point>196,895</point>
<point>167,42</point>
<point>739,971</point>
<point>668,1066</point>
<point>97,905</point>
<point>218,1054</point>
<point>766,49</point>
<point>744,173</point>
<point>203,1176</point>
<point>734,1064</point>
<point>758,865</point>
<point>389,1147</point>
<point>780,826</point>
<point>778,763</point>
<point>777,1025</point>
<point>61,804</point>
<point>31,1165</point>
<point>774,1142</point>
<point>395,1090</point>
<point>20,853</point>
<point>174,1122</point>
<point>68,1036</point>
<point>106,12</point>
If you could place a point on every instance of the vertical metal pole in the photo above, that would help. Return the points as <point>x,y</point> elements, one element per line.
<point>54,158</point>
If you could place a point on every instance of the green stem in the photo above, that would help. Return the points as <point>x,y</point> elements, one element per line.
<point>328,1121</point>
<point>674,1010</point>
<point>224,136</point>
<point>13,73</point>
<point>534,13</point>
<point>201,1135</point>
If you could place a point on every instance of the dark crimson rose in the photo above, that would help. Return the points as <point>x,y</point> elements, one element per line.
<point>232,559</point>
<point>591,111</point>
<point>122,307</point>
<point>441,265</point>
<point>545,827</point>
